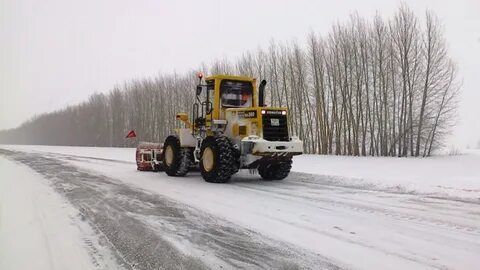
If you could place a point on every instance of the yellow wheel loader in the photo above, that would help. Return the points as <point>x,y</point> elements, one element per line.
<point>231,128</point>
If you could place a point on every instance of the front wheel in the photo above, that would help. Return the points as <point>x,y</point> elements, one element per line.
<point>275,170</point>
<point>217,162</point>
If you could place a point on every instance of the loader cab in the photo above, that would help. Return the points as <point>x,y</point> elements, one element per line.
<point>222,92</point>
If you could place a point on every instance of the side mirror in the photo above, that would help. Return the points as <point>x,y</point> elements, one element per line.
<point>199,89</point>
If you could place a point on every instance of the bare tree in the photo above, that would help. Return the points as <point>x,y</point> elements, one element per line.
<point>385,87</point>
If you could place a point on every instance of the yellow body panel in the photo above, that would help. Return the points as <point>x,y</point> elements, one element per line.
<point>237,117</point>
<point>184,118</point>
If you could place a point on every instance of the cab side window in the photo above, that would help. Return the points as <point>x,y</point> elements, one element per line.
<point>211,91</point>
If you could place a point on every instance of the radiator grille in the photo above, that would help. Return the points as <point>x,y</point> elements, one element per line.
<point>275,127</point>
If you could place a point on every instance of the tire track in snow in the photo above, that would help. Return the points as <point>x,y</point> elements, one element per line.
<point>285,192</point>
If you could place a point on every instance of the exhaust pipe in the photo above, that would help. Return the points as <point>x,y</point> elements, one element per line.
<point>261,90</point>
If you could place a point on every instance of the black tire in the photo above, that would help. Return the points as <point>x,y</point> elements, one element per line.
<point>181,157</point>
<point>158,168</point>
<point>275,170</point>
<point>224,159</point>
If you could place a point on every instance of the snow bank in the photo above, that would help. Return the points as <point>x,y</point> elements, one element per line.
<point>37,229</point>
<point>457,176</point>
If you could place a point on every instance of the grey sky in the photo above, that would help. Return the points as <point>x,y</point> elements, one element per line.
<point>56,52</point>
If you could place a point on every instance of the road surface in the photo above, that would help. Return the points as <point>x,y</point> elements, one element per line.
<point>152,221</point>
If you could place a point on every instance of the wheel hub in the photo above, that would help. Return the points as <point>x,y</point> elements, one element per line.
<point>168,155</point>
<point>207,159</point>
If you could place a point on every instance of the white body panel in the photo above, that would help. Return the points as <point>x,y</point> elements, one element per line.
<point>186,138</point>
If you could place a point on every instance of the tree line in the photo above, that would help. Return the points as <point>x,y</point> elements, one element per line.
<point>384,87</point>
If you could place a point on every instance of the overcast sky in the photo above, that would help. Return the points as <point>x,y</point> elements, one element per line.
<point>55,53</point>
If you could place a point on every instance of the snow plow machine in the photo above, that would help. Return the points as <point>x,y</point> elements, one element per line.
<point>230,128</point>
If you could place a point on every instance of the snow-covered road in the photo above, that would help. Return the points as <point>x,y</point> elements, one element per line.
<point>308,220</point>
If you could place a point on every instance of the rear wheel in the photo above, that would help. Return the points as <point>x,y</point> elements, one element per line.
<point>176,159</point>
<point>217,159</point>
<point>275,170</point>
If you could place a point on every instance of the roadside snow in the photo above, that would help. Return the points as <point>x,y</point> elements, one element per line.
<point>38,229</point>
<point>455,176</point>
<point>114,153</point>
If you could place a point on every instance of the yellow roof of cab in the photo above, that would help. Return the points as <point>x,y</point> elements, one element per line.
<point>230,77</point>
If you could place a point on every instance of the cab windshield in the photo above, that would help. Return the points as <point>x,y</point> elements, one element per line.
<point>236,94</point>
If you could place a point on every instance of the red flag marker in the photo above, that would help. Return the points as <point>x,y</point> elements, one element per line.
<point>131,134</point>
